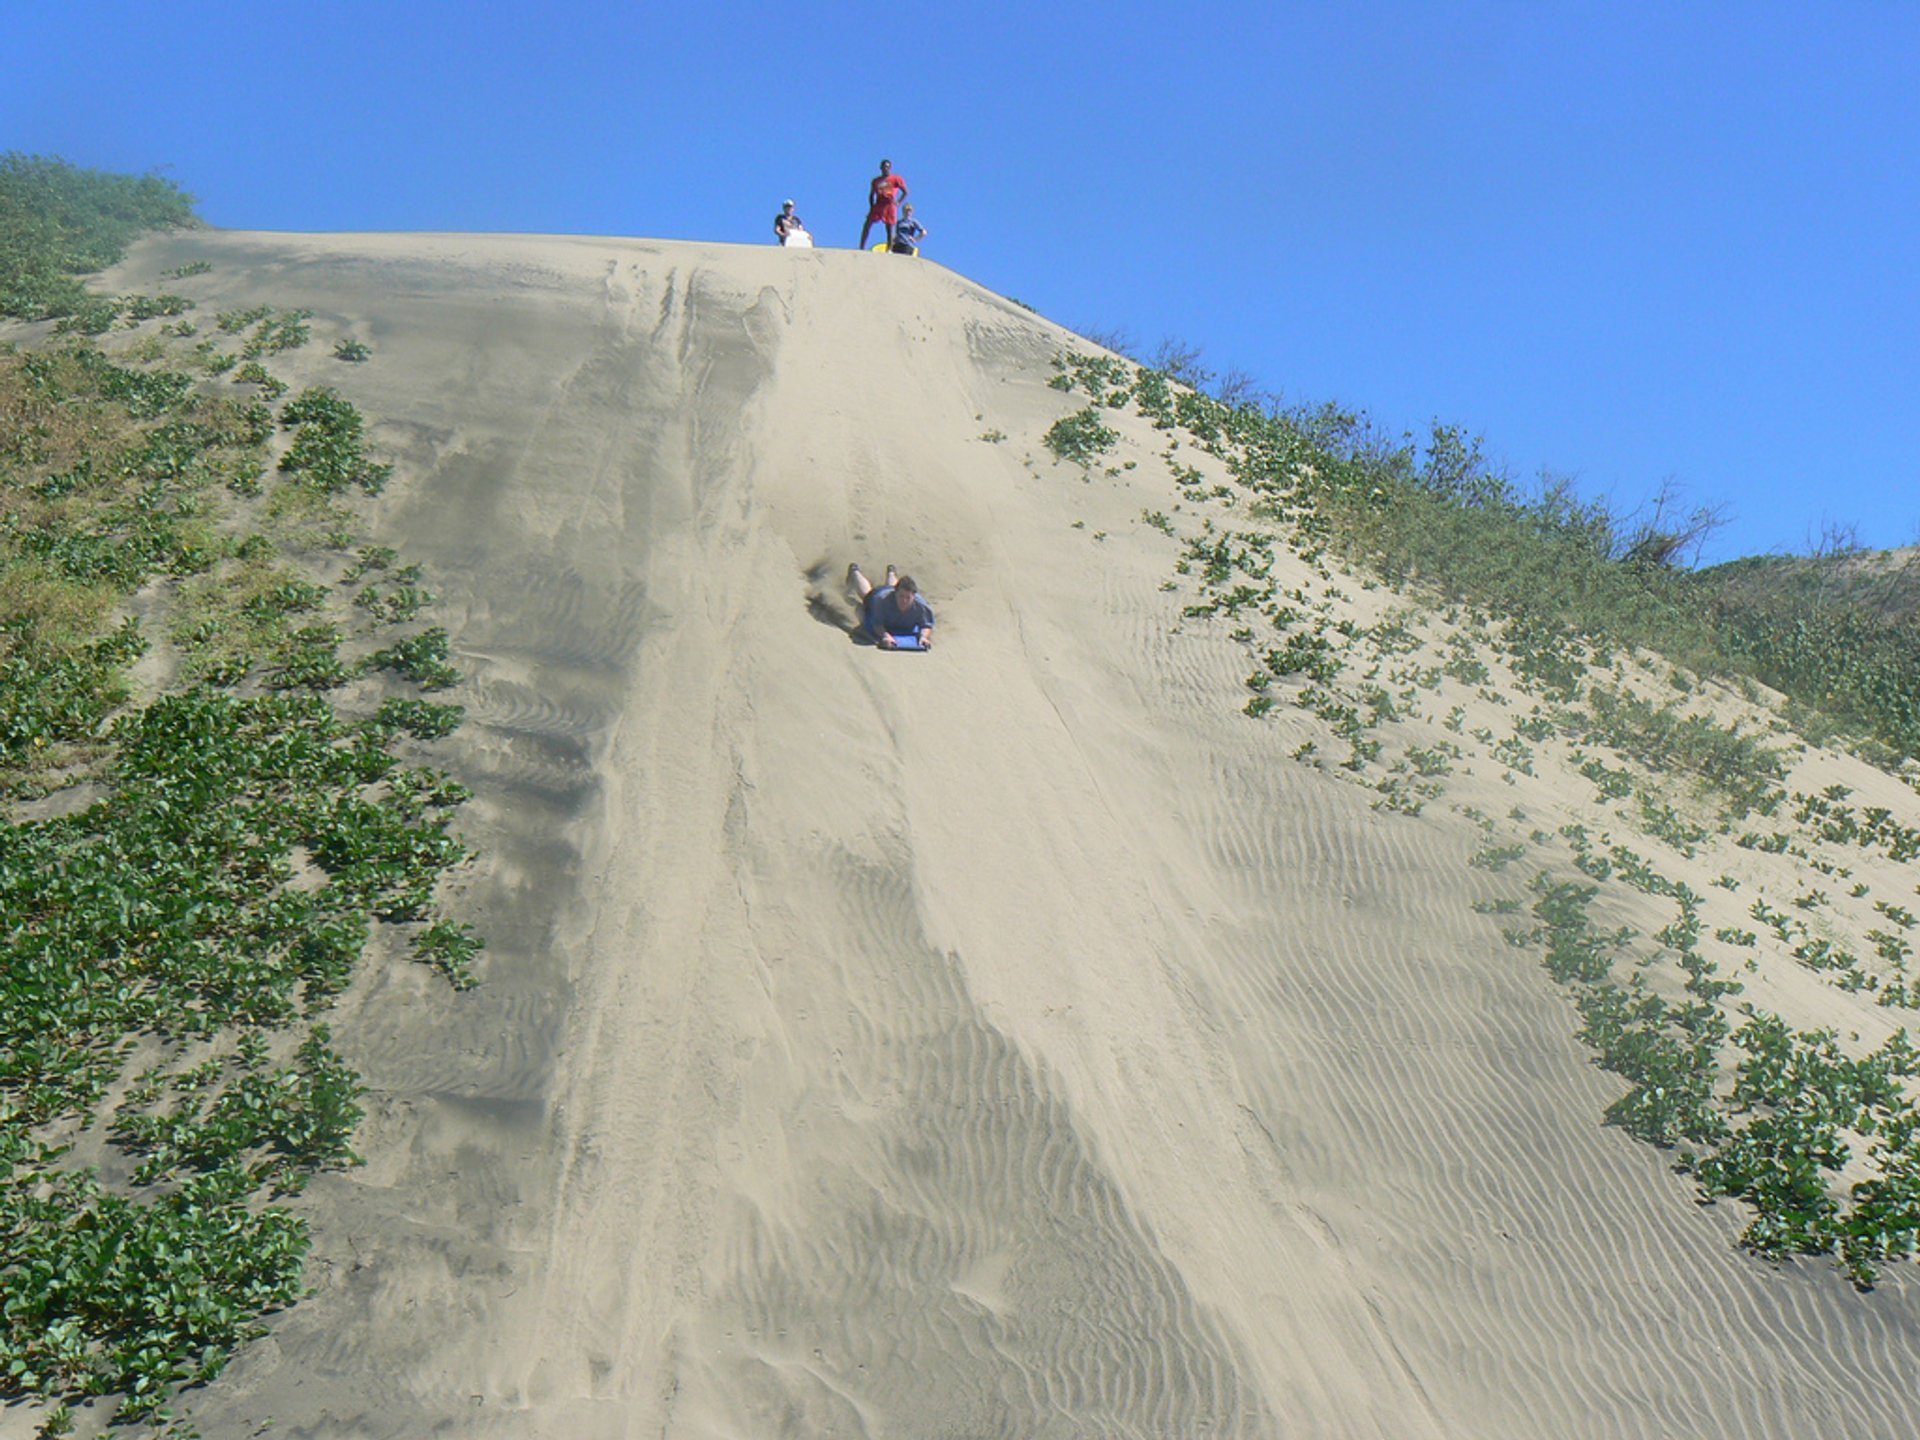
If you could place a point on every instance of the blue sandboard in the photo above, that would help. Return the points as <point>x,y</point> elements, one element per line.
<point>904,642</point>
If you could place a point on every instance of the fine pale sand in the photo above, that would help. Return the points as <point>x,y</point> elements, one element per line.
<point>1003,1042</point>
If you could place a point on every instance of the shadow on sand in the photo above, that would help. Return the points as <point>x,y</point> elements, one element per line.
<point>829,609</point>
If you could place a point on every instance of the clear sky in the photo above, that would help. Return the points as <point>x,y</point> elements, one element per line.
<point>1630,242</point>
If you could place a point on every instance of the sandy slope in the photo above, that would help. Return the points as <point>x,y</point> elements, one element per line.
<point>1001,1042</point>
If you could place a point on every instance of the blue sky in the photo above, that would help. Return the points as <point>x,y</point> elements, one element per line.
<point>1630,242</point>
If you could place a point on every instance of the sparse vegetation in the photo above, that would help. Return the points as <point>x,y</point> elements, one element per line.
<point>328,450</point>
<point>1570,577</point>
<point>1080,437</point>
<point>1779,1136</point>
<point>286,331</point>
<point>236,842</point>
<point>1547,598</point>
<point>59,221</point>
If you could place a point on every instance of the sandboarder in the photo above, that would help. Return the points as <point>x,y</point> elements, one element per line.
<point>908,234</point>
<point>791,229</point>
<point>894,614</point>
<point>884,194</point>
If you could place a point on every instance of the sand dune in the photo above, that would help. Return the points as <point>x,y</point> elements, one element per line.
<point>1000,1042</point>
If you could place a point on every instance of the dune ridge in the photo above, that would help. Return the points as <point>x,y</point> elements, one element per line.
<point>1006,1041</point>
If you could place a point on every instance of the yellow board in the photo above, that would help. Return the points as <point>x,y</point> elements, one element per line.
<point>881,249</point>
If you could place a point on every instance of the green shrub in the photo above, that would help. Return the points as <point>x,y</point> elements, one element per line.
<point>58,221</point>
<point>218,887</point>
<point>450,949</point>
<point>100,1293</point>
<point>421,719</point>
<point>328,450</point>
<point>1564,574</point>
<point>279,1125</point>
<point>421,658</point>
<point>286,331</point>
<point>1080,437</point>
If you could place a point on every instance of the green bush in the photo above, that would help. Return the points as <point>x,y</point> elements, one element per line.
<point>421,658</point>
<point>1662,738</point>
<point>58,221</point>
<point>1080,437</point>
<point>328,450</point>
<point>1564,575</point>
<point>217,885</point>
<point>421,719</point>
<point>100,1293</point>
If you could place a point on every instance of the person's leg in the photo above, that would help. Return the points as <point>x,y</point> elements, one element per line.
<point>893,575</point>
<point>859,584</point>
<point>864,231</point>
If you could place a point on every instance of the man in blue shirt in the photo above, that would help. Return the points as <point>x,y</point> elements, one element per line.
<point>908,234</point>
<point>893,610</point>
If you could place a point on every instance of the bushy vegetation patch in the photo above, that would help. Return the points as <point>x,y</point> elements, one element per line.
<point>1540,599</point>
<point>1838,572</point>
<point>1568,573</point>
<point>1777,1125</point>
<point>105,1293</point>
<point>1080,437</point>
<point>1660,737</point>
<point>238,836</point>
<point>59,221</point>
<point>420,658</point>
<point>106,472</point>
<point>1843,660</point>
<point>328,450</point>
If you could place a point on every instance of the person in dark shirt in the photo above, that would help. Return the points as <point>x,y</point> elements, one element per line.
<point>893,610</point>
<point>884,194</point>
<point>908,234</point>
<point>786,223</point>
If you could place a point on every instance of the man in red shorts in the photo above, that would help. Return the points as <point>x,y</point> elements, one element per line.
<point>884,195</point>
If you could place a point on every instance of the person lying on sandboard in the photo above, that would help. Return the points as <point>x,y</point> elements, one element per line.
<point>895,616</point>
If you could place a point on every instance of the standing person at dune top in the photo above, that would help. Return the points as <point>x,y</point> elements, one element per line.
<point>884,194</point>
<point>908,234</point>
